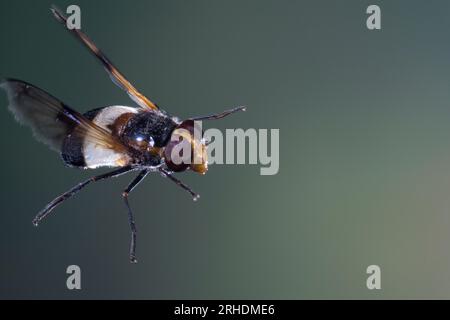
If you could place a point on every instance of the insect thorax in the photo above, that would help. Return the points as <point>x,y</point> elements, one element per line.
<point>148,128</point>
<point>148,133</point>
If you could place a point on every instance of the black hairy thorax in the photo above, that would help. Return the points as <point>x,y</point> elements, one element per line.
<point>151,127</point>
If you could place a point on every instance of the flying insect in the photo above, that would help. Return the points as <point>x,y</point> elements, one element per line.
<point>130,139</point>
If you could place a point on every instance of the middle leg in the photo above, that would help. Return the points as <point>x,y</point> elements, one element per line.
<point>125,194</point>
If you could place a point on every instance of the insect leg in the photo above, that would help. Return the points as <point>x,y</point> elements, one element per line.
<point>125,194</point>
<point>68,194</point>
<point>195,196</point>
<point>220,115</point>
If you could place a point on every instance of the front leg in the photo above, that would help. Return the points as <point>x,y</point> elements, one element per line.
<point>220,115</point>
<point>165,173</point>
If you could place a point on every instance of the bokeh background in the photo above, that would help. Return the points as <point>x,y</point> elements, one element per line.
<point>364,119</point>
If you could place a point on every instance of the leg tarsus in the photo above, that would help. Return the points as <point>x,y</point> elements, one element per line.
<point>133,229</point>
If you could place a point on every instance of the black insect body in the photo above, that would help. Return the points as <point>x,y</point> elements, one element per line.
<point>140,138</point>
<point>143,132</point>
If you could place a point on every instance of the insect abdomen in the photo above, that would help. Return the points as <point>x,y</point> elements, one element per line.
<point>81,153</point>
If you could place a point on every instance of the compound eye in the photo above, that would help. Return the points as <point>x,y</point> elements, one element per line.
<point>187,125</point>
<point>173,155</point>
<point>179,153</point>
<point>194,127</point>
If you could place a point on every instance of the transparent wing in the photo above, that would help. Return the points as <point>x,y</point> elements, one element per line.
<point>51,120</point>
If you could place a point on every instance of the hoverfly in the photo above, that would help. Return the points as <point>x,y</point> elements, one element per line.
<point>129,139</point>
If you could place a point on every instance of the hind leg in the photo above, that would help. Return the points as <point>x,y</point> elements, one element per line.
<point>68,194</point>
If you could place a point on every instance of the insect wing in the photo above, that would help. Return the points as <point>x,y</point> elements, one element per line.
<point>116,76</point>
<point>51,120</point>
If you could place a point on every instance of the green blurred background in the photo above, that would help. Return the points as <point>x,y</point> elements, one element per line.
<point>364,119</point>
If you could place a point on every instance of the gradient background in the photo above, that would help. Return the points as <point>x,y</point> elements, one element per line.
<point>364,119</point>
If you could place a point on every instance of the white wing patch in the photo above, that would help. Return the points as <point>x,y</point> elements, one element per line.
<point>96,155</point>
